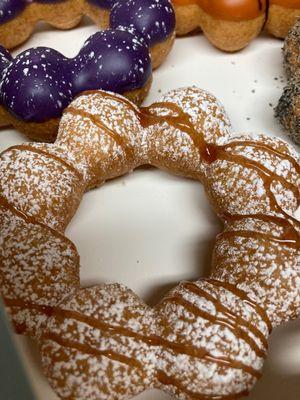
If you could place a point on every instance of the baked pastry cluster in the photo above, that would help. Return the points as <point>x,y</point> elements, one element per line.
<point>40,82</point>
<point>154,19</point>
<point>205,339</point>
<point>288,109</point>
<point>231,25</point>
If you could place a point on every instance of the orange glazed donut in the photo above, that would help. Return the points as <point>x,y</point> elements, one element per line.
<point>231,24</point>
<point>205,339</point>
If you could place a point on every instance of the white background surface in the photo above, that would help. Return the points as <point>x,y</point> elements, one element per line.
<point>149,229</point>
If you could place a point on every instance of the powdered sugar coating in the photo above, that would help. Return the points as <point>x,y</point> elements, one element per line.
<point>40,267</point>
<point>182,335</point>
<point>28,180</point>
<point>206,338</point>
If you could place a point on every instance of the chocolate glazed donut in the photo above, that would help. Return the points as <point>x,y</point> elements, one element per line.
<point>39,83</point>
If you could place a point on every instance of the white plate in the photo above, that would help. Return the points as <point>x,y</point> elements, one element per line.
<point>150,229</point>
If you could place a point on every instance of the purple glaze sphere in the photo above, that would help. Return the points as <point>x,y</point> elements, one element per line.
<point>9,9</point>
<point>113,60</point>
<point>154,19</point>
<point>103,3</point>
<point>5,59</point>
<point>37,85</point>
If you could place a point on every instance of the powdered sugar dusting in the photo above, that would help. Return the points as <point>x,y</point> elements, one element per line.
<point>206,338</point>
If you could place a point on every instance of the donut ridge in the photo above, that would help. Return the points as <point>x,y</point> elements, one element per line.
<point>205,339</point>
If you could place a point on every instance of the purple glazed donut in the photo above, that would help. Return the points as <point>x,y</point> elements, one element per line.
<point>40,82</point>
<point>10,9</point>
<point>155,19</point>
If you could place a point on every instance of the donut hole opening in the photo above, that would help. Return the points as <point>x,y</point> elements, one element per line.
<point>147,230</point>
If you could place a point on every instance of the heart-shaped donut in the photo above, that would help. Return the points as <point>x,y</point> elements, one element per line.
<point>204,340</point>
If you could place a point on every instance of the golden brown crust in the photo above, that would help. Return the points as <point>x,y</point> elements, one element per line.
<point>281,19</point>
<point>187,18</point>
<point>231,35</point>
<point>64,15</point>
<point>160,51</point>
<point>205,339</point>
<point>232,30</point>
<point>47,131</point>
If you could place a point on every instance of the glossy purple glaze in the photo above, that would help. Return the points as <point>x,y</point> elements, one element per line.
<point>103,3</point>
<point>113,60</point>
<point>5,59</point>
<point>40,82</point>
<point>37,85</point>
<point>9,9</point>
<point>154,19</point>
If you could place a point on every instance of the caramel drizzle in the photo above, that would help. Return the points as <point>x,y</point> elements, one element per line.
<point>223,361</point>
<point>129,153</point>
<point>152,340</point>
<point>31,220</point>
<point>289,237</point>
<point>163,378</point>
<point>235,321</point>
<point>266,147</point>
<point>90,350</point>
<point>211,152</point>
<point>264,236</point>
<point>24,147</point>
<point>243,296</point>
<point>279,221</point>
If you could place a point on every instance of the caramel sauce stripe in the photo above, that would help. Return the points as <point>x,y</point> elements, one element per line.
<point>31,220</point>
<point>177,348</point>
<point>236,320</point>
<point>129,153</point>
<point>292,243</point>
<point>268,148</point>
<point>235,329</point>
<point>161,376</point>
<point>24,147</point>
<point>164,379</point>
<point>90,350</point>
<point>267,176</point>
<point>243,296</point>
<point>211,152</point>
<point>274,219</point>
